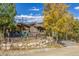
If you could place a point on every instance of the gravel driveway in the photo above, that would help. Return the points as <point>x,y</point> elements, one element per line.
<point>66,51</point>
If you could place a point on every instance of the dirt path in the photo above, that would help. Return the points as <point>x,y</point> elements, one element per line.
<point>67,51</point>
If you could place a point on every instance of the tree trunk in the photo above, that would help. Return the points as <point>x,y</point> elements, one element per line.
<point>57,37</point>
<point>66,37</point>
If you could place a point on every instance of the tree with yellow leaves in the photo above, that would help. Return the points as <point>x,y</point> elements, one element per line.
<point>58,20</point>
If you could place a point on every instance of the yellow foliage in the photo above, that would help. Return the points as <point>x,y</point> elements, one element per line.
<point>57,18</point>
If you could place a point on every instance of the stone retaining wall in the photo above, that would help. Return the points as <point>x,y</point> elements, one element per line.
<point>28,44</point>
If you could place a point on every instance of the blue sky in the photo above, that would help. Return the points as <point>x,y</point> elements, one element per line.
<point>29,8</point>
<point>37,8</point>
<point>74,9</point>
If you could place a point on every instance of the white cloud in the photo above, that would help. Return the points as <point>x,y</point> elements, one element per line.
<point>29,18</point>
<point>34,9</point>
<point>76,17</point>
<point>77,8</point>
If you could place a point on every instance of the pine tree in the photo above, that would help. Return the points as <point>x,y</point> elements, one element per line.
<point>7,13</point>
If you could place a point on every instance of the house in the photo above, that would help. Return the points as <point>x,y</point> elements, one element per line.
<point>32,30</point>
<point>28,30</point>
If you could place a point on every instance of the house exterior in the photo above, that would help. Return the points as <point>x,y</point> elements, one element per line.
<point>32,30</point>
<point>29,24</point>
